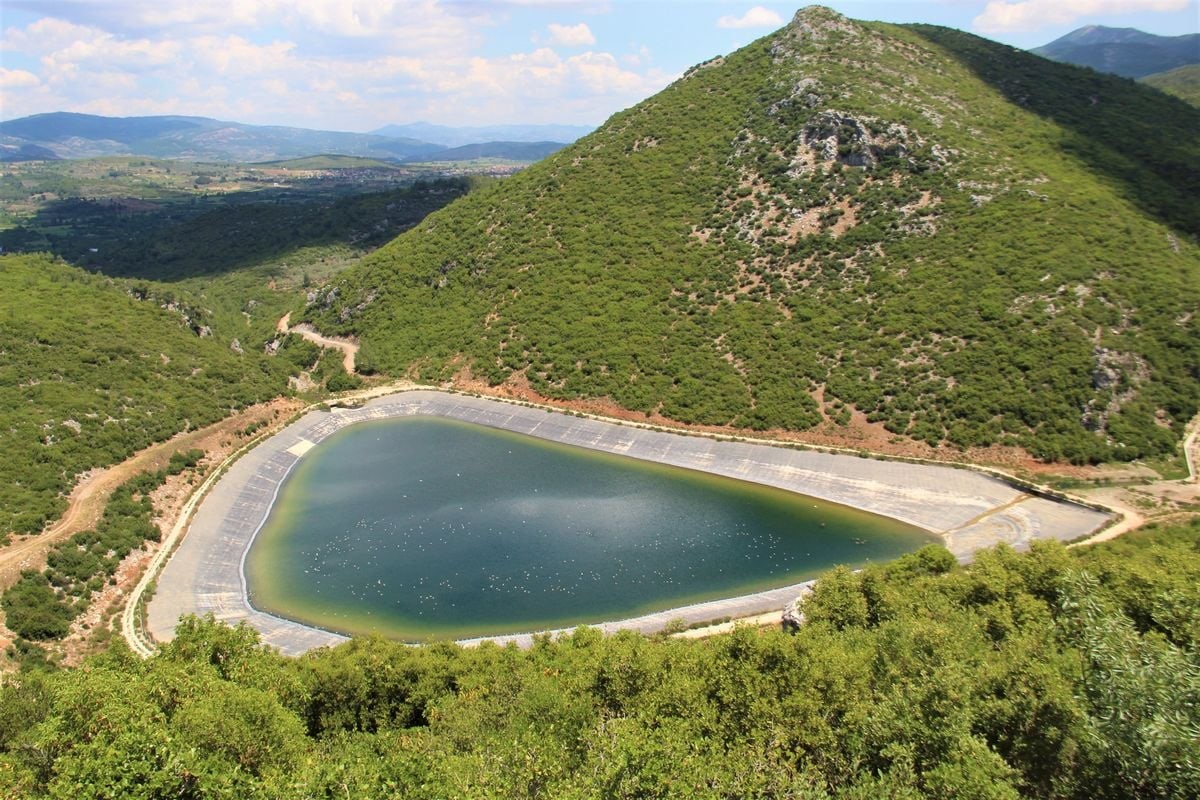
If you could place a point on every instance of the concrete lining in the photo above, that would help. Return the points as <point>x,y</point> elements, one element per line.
<point>969,510</point>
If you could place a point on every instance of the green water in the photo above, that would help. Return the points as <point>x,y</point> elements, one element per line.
<point>425,527</point>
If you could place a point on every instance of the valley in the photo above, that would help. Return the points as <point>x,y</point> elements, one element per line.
<point>825,423</point>
<point>264,260</point>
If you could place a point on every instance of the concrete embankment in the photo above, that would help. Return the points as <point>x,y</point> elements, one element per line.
<point>967,509</point>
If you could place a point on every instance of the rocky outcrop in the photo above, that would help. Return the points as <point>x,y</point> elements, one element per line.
<point>792,617</point>
<point>854,141</point>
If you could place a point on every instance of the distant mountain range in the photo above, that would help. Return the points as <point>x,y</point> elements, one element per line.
<point>448,136</point>
<point>69,135</point>
<point>1123,51</point>
<point>26,152</point>
<point>512,151</point>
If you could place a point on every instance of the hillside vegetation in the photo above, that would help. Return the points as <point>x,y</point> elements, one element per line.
<point>95,369</point>
<point>91,372</point>
<point>1053,675</point>
<point>968,243</point>
<point>1183,82</point>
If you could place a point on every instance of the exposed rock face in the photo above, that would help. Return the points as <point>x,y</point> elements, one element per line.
<point>236,346</point>
<point>1117,372</point>
<point>818,24</point>
<point>855,142</point>
<point>793,617</point>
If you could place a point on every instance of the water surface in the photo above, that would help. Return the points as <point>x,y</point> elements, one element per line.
<point>426,527</point>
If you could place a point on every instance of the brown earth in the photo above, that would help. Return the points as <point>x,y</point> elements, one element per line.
<point>349,347</point>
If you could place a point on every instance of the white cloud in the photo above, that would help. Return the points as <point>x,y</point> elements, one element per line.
<point>46,34</point>
<point>1002,16</point>
<point>332,64</point>
<point>17,79</point>
<point>757,17</point>
<point>233,54</point>
<point>571,35</point>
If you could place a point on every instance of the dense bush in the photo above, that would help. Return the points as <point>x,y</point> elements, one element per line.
<point>89,375</point>
<point>1050,675</point>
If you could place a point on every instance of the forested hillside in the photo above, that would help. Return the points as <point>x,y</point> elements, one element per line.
<point>91,371</point>
<point>968,243</point>
<point>96,369</point>
<point>1052,675</point>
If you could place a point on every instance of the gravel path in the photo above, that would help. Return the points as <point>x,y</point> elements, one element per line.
<point>349,347</point>
<point>969,510</point>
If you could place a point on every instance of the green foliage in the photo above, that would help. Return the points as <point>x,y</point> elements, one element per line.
<point>1018,676</point>
<point>342,382</point>
<point>89,375</point>
<point>1143,735</point>
<point>41,605</point>
<point>1000,252</point>
<point>32,608</point>
<point>1183,82</point>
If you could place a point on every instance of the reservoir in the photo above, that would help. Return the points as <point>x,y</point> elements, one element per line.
<point>425,527</point>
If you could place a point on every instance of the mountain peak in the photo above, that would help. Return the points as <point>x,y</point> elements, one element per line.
<point>827,230</point>
<point>1123,51</point>
<point>818,21</point>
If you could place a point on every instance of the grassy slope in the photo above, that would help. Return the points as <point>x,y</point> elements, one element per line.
<point>1016,264</point>
<point>1183,82</point>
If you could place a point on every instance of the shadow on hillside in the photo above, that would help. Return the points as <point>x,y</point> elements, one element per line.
<point>1144,141</point>
<point>170,242</point>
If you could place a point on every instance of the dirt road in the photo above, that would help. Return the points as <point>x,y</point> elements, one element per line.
<point>86,501</point>
<point>349,347</point>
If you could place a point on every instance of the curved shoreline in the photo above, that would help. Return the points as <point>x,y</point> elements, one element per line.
<point>968,510</point>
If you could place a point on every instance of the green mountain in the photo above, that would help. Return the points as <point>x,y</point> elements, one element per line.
<point>1123,51</point>
<point>966,242</point>
<point>1183,82</point>
<point>70,135</point>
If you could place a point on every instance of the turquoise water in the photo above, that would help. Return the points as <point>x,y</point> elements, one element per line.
<point>424,527</point>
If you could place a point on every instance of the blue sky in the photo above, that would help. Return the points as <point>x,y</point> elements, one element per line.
<point>360,64</point>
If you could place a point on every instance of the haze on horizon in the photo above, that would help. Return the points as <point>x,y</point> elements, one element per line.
<point>361,64</point>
